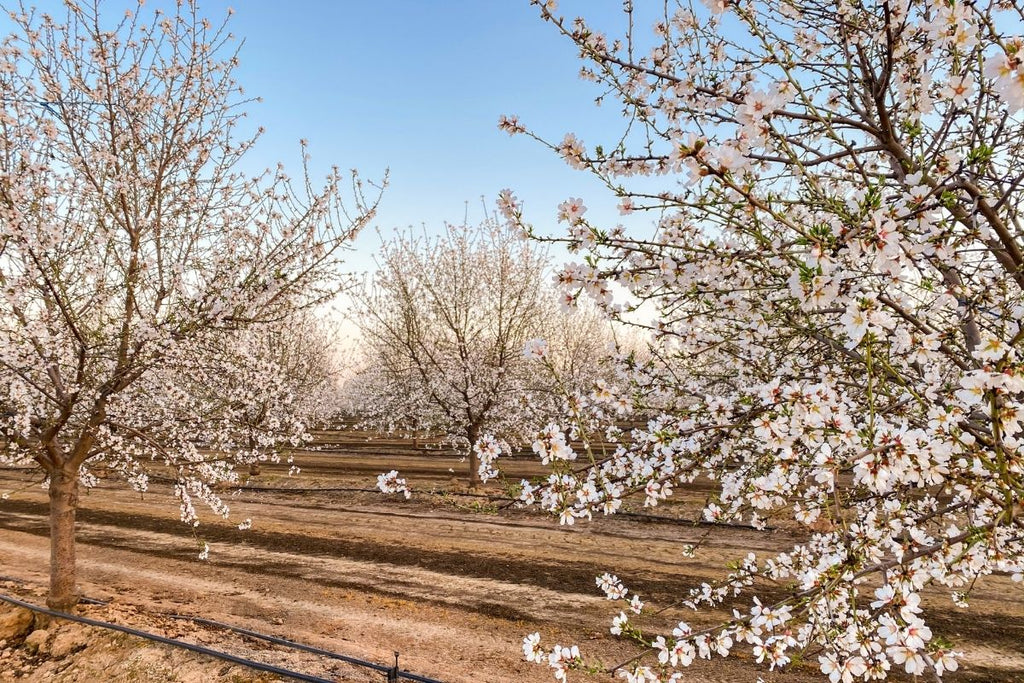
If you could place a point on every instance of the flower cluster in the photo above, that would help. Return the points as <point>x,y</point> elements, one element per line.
<point>488,449</point>
<point>550,445</point>
<point>560,658</point>
<point>390,482</point>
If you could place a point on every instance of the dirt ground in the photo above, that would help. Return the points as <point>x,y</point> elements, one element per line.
<point>450,582</point>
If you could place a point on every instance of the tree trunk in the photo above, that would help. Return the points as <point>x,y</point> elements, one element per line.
<point>473,434</point>
<point>63,507</point>
<point>254,466</point>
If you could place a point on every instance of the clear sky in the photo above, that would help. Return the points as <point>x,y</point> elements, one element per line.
<point>417,87</point>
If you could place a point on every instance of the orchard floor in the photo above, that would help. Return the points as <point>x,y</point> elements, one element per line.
<point>451,582</point>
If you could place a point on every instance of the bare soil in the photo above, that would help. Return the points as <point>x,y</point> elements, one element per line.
<point>452,582</point>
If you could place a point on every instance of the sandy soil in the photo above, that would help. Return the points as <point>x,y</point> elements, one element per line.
<point>450,582</point>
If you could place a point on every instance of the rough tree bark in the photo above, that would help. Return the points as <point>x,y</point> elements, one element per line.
<point>473,434</point>
<point>63,506</point>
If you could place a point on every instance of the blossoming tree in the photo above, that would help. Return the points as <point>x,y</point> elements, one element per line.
<point>837,267</point>
<point>131,243</point>
<point>444,322</point>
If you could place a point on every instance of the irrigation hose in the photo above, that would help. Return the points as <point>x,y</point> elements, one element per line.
<point>392,673</point>
<point>305,648</point>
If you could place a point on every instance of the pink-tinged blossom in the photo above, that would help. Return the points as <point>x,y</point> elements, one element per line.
<point>855,324</point>
<point>611,586</point>
<point>973,386</point>
<point>958,89</point>
<point>992,349</point>
<point>945,660</point>
<point>912,661</point>
<point>636,605</point>
<point>488,449</point>
<point>1008,79</point>
<point>571,210</point>
<point>535,349</point>
<point>562,659</point>
<point>508,204</point>
<point>572,151</point>
<point>510,124</point>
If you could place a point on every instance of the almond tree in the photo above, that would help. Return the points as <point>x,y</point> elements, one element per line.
<point>837,268</point>
<point>131,243</point>
<point>444,323</point>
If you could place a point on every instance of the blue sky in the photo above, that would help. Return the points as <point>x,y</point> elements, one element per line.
<point>417,87</point>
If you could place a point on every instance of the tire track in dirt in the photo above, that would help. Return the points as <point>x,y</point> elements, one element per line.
<point>558,575</point>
